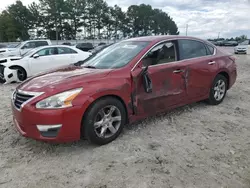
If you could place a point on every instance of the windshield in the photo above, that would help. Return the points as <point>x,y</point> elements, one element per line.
<point>116,55</point>
<point>14,45</point>
<point>246,42</point>
<point>28,53</point>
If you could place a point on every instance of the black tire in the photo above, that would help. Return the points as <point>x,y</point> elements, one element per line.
<point>21,73</point>
<point>88,129</point>
<point>212,100</point>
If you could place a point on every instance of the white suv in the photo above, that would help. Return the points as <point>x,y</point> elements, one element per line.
<point>243,47</point>
<point>22,48</point>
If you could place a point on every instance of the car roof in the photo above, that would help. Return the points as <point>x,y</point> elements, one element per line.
<point>160,38</point>
<point>54,46</point>
<point>36,40</point>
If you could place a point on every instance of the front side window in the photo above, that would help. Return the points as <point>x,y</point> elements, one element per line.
<point>47,52</point>
<point>116,56</point>
<point>191,49</point>
<point>65,50</point>
<point>161,54</point>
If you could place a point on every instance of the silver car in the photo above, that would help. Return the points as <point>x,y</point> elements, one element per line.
<point>243,47</point>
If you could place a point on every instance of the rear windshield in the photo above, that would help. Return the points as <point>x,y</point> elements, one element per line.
<point>116,55</point>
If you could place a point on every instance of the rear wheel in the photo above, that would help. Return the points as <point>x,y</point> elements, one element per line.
<point>218,90</point>
<point>104,121</point>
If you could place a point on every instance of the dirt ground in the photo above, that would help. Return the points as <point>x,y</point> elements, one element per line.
<point>196,146</point>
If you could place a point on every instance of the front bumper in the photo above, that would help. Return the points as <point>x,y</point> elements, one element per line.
<point>240,50</point>
<point>60,125</point>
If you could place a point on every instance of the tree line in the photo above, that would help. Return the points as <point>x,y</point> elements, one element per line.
<point>89,19</point>
<point>238,39</point>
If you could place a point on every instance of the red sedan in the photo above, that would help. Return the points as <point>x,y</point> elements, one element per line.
<point>125,82</point>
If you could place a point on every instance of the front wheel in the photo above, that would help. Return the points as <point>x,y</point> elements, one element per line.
<point>21,73</point>
<point>104,121</point>
<point>218,90</point>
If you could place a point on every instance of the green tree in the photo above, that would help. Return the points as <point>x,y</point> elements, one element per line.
<point>22,18</point>
<point>143,20</point>
<point>36,18</point>
<point>53,12</point>
<point>64,19</point>
<point>8,28</point>
<point>117,17</point>
<point>75,10</point>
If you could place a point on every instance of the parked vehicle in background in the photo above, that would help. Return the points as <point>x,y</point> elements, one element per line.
<point>67,43</point>
<point>85,46</point>
<point>2,46</point>
<point>230,43</point>
<point>101,43</point>
<point>220,43</point>
<point>127,81</point>
<point>243,47</point>
<point>21,48</point>
<point>99,48</point>
<point>214,42</point>
<point>41,59</point>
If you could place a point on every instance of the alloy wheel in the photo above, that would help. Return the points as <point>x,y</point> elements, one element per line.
<point>107,121</point>
<point>219,90</point>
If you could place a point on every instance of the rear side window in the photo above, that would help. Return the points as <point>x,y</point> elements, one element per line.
<point>65,50</point>
<point>41,43</point>
<point>191,49</point>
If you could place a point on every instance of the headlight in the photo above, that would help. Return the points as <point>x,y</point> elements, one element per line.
<point>61,100</point>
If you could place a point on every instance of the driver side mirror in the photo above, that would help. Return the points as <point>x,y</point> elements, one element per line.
<point>142,72</point>
<point>35,56</point>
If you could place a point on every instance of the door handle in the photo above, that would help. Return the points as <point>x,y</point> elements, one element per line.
<point>211,62</point>
<point>178,71</point>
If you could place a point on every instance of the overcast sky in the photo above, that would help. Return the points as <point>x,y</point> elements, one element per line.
<point>205,18</point>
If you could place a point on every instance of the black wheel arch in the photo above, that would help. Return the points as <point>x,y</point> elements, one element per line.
<point>226,75</point>
<point>17,67</point>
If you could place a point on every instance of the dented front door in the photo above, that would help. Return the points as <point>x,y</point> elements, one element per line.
<point>168,88</point>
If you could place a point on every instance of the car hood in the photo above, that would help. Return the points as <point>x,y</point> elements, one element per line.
<point>6,61</point>
<point>63,79</point>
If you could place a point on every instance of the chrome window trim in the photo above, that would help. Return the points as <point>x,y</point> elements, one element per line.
<point>35,95</point>
<point>166,40</point>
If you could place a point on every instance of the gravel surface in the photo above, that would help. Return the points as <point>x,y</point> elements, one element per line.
<point>194,146</point>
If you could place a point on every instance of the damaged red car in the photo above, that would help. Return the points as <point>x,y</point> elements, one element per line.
<point>123,83</point>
